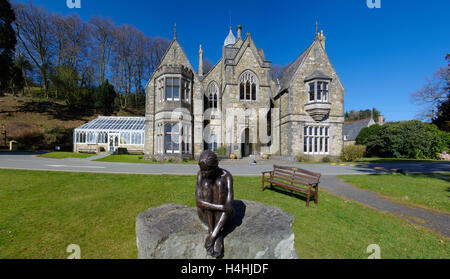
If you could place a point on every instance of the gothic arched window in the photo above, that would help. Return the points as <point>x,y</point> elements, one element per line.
<point>248,85</point>
<point>212,93</point>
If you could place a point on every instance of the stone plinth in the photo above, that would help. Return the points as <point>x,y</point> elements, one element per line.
<point>257,231</point>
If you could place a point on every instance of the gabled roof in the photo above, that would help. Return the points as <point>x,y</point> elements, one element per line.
<point>172,44</point>
<point>352,129</point>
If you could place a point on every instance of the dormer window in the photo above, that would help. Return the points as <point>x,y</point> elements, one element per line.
<point>248,84</point>
<point>318,91</point>
<point>318,87</point>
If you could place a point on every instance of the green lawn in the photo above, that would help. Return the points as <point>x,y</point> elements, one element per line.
<point>136,159</point>
<point>428,190</point>
<point>63,155</point>
<point>41,213</point>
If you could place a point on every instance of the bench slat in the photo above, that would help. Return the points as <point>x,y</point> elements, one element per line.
<point>292,187</point>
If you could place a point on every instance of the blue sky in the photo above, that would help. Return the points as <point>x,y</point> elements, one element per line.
<point>381,55</point>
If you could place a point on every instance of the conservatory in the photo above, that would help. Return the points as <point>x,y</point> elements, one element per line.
<point>108,134</point>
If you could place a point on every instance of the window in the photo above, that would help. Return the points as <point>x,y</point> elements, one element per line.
<point>213,142</point>
<point>248,84</point>
<point>137,138</point>
<point>171,138</point>
<point>318,91</point>
<point>213,91</point>
<point>316,140</point>
<point>102,137</point>
<point>125,138</point>
<point>172,89</point>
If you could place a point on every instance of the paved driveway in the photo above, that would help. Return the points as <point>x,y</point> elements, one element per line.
<point>31,162</point>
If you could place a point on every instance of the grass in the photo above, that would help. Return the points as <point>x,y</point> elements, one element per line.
<point>136,159</point>
<point>41,213</point>
<point>63,155</point>
<point>427,190</point>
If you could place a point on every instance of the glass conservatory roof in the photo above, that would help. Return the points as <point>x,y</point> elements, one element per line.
<point>115,123</point>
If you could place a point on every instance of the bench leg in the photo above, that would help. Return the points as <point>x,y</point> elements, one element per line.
<point>263,185</point>
<point>307,200</point>
<point>316,195</point>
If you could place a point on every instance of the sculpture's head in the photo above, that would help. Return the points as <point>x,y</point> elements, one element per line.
<point>208,163</point>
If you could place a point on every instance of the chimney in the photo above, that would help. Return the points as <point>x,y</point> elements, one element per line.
<point>322,39</point>
<point>200,62</point>
<point>239,32</point>
<point>380,120</point>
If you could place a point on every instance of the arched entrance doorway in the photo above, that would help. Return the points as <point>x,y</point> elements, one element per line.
<point>246,146</point>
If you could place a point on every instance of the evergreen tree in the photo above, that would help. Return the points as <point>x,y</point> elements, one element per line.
<point>104,96</point>
<point>7,43</point>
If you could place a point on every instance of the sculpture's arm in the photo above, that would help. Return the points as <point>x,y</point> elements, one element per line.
<point>210,206</point>
<point>201,203</point>
<point>230,197</point>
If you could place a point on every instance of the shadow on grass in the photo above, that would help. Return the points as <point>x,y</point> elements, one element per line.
<point>290,193</point>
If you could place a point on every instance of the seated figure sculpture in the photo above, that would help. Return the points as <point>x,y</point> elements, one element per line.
<point>214,197</point>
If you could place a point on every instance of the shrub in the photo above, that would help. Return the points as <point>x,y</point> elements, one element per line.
<point>352,153</point>
<point>326,159</point>
<point>221,151</point>
<point>407,139</point>
<point>302,158</point>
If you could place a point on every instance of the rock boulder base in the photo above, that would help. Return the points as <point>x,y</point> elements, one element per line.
<point>257,231</point>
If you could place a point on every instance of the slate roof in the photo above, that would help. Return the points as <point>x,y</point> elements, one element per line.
<point>352,129</point>
<point>317,74</point>
<point>287,75</point>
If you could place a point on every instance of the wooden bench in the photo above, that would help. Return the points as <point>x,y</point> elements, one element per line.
<point>295,179</point>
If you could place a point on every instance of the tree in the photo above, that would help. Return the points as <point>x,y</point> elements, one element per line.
<point>276,70</point>
<point>353,115</point>
<point>408,139</point>
<point>23,66</point>
<point>442,118</point>
<point>102,33</point>
<point>207,66</point>
<point>433,93</point>
<point>35,37</point>
<point>7,43</point>
<point>104,96</point>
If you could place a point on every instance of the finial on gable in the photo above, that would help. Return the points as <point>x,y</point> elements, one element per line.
<point>175,32</point>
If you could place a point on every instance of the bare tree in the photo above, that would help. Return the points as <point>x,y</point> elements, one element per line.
<point>207,66</point>
<point>102,32</point>
<point>433,93</point>
<point>35,37</point>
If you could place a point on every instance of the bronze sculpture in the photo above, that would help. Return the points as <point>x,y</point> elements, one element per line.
<point>214,197</point>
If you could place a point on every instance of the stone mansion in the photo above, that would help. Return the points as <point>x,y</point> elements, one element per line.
<point>237,106</point>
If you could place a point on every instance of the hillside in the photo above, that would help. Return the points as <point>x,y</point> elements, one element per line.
<point>41,124</point>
